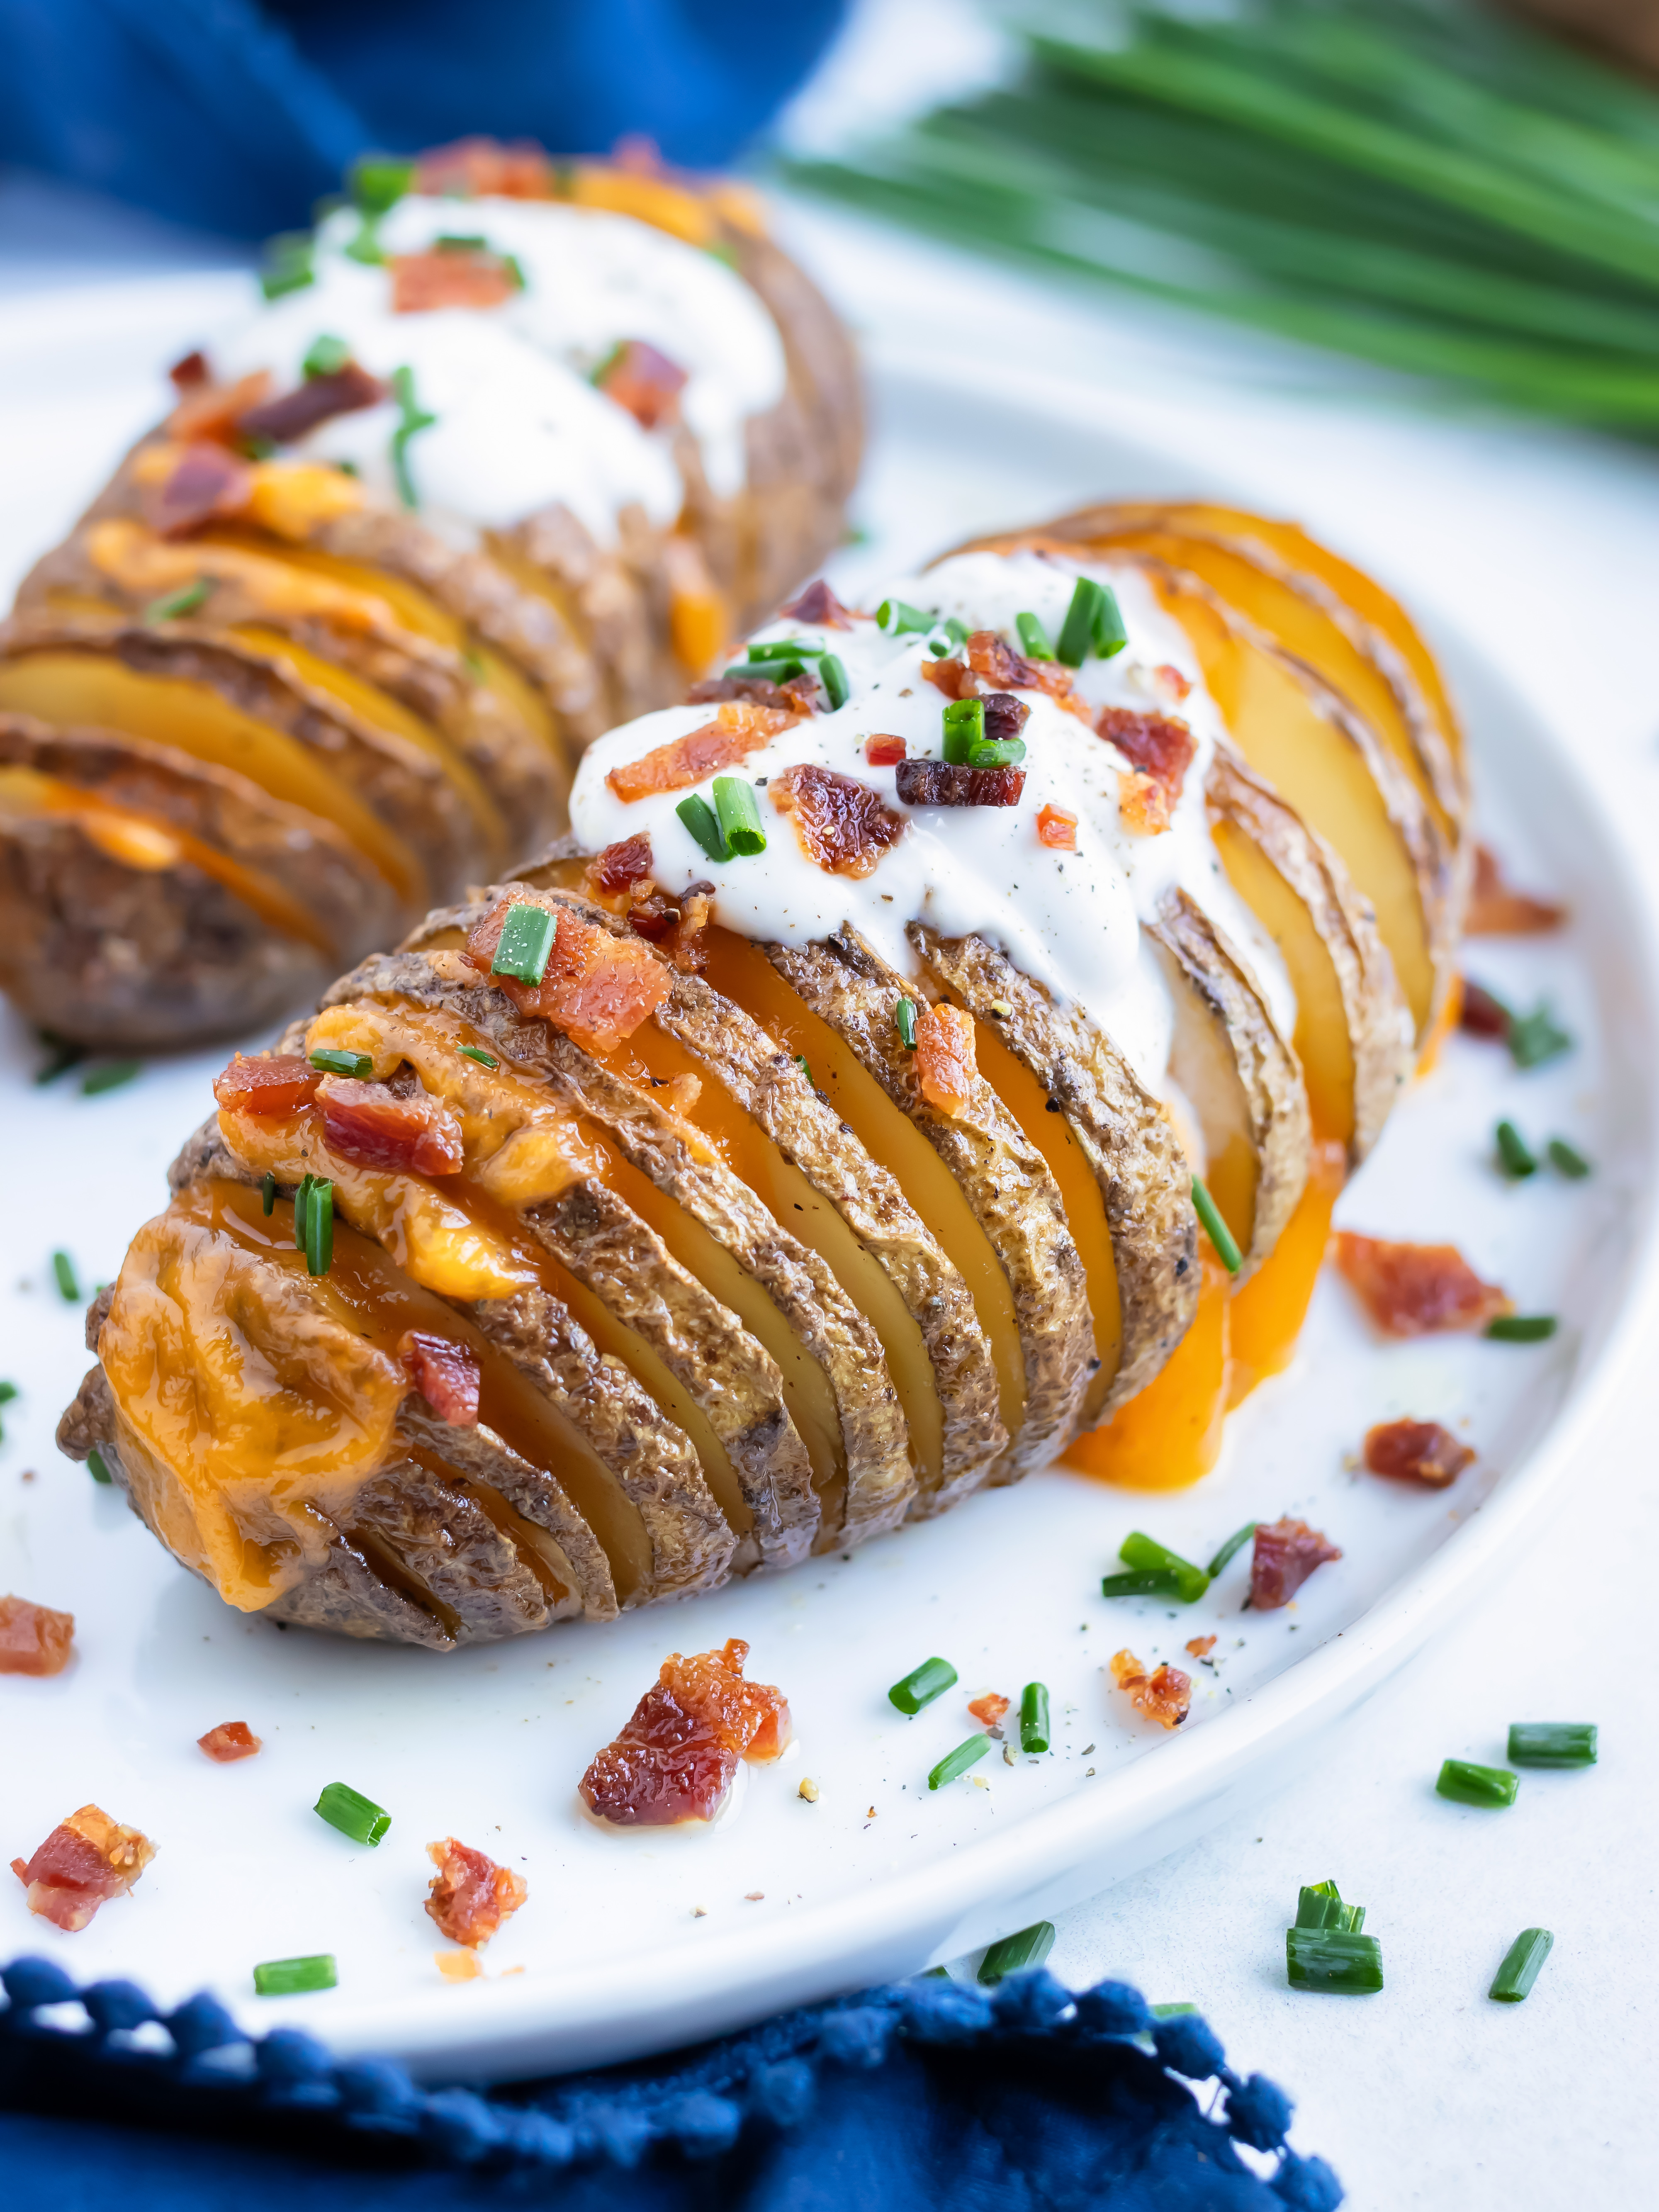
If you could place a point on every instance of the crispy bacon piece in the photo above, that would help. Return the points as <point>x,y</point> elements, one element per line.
<point>989,1710</point>
<point>596,988</point>
<point>738,730</point>
<point>1287,1552</point>
<point>946,1065</point>
<point>449,276</point>
<point>644,381</point>
<point>1496,910</point>
<point>214,412</point>
<point>1172,680</point>
<point>676,927</point>
<point>1416,1451</point>
<point>230,1740</point>
<point>1416,1290</point>
<point>445,1372</point>
<point>1164,1695</point>
<point>943,783</point>
<point>1480,1014</point>
<point>843,826</point>
<point>758,691</point>
<point>620,868</point>
<point>204,481</point>
<point>952,676</point>
<point>1200,1647</point>
<point>995,659</point>
<point>1142,806</point>
<point>187,374</point>
<point>477,168</point>
<point>883,752</point>
<point>1056,827</point>
<point>34,1639</point>
<point>84,1862</point>
<point>279,1084</point>
<point>1157,745</point>
<point>370,1124</point>
<point>675,1758</point>
<point>818,604</point>
<point>470,1895</point>
<point>319,399</point>
<point>1004,715</point>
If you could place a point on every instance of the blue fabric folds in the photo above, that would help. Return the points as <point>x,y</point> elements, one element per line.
<point>237,118</point>
<point>929,2094</point>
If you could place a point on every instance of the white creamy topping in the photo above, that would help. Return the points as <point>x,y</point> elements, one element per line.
<point>1072,921</point>
<point>519,424</point>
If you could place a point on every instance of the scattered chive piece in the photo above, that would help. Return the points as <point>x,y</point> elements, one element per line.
<point>1029,1949</point>
<point>291,1978</point>
<point>1145,1551</point>
<point>1085,620</point>
<point>1522,1963</point>
<point>965,729</point>
<point>183,601</point>
<point>255,447</point>
<point>904,1016</point>
<point>484,1059</point>
<point>352,1814</point>
<point>327,1062</point>
<point>64,1055</point>
<point>1466,1784</point>
<point>775,669</point>
<point>64,1267</point>
<point>958,1761</point>
<point>996,752</point>
<point>1514,1155</point>
<point>287,264</point>
<point>1534,1038</point>
<point>897,616</point>
<point>1567,1160</point>
<point>1034,1716</point>
<point>366,246</point>
<point>96,1468</point>
<point>1034,638</point>
<point>1319,1905</point>
<point>1521,1329</point>
<point>8,1392</point>
<point>806,1067</point>
<point>784,648</point>
<point>922,1685</point>
<point>527,944</point>
<point>1144,1582</point>
<point>832,674</point>
<point>110,1077</point>
<point>301,1199</point>
<point>325,357</point>
<point>320,1227</point>
<point>1330,1959</point>
<point>267,1193</point>
<point>379,181</point>
<point>472,241</point>
<point>1216,1229</point>
<point>413,418</point>
<point>1169,2011</point>
<point>698,816</point>
<point>1551,1743</point>
<point>1234,1545</point>
<point>955,630</point>
<point>738,812</point>
<point>1110,635</point>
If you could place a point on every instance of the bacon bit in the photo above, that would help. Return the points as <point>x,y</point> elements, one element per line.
<point>620,869</point>
<point>202,482</point>
<point>1496,910</point>
<point>739,729</point>
<point>1200,1647</point>
<point>1005,716</point>
<point>449,278</point>
<point>1416,1451</point>
<point>1057,828</point>
<point>818,604</point>
<point>1415,1289</point>
<point>1159,746</point>
<point>1173,681</point>
<point>946,1066</point>
<point>950,675</point>
<point>279,1084</point>
<point>214,412</point>
<point>479,168</point>
<point>843,826</point>
<point>369,1124</point>
<point>989,1710</point>
<point>597,988</point>
<point>644,381</point>
<point>995,659</point>
<point>230,1740</point>
<point>883,752</point>
<point>319,399</point>
<point>187,374</point>
<point>34,1639</point>
<point>1142,807</point>
<point>799,696</point>
<point>944,783</point>
<point>84,1862</point>
<point>1287,1552</point>
<point>444,1373</point>
<point>1480,1014</point>
<point>675,1758</point>
<point>470,1895</point>
<point>1164,1695</point>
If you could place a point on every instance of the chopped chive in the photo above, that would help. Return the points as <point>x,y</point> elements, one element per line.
<point>325,356</point>
<point>904,1017</point>
<point>896,616</point>
<point>606,363</point>
<point>267,1193</point>
<point>965,729</point>
<point>327,1062</point>
<point>1216,1229</point>
<point>958,1761</point>
<point>1029,1949</point>
<point>302,1201</point>
<point>1144,1582</point>
<point>1234,1545</point>
<point>1170,2011</point>
<point>1319,1905</point>
<point>484,1059</point>
<point>1466,1784</point>
<point>1551,1743</point>
<point>1077,632</point>
<point>183,601</point>
<point>378,181</point>
<point>922,1685</point>
<point>1514,1156</point>
<point>1330,1959</point>
<point>1034,638</point>
<point>777,670</point>
<point>288,264</point>
<point>1567,1160</point>
<point>1034,1716</point>
<point>413,417</point>
<point>1140,1551</point>
<point>292,1978</point>
<point>64,1055</point>
<point>832,674</point>
<point>1521,1329</point>
<point>996,752</point>
<point>738,812</point>
<point>527,944</point>
<point>1109,636</point>
<point>256,446</point>
<point>1536,1037</point>
<point>1522,1963</point>
<point>96,1468</point>
<point>949,635</point>
<point>110,1077</point>
<point>806,1067</point>
<point>64,1268</point>
<point>8,1392</point>
<point>783,648</point>
<point>365,246</point>
<point>352,1814</point>
<point>699,818</point>
<point>320,1227</point>
<point>472,241</point>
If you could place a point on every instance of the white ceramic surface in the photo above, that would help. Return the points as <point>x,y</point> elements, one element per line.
<point>877,1877</point>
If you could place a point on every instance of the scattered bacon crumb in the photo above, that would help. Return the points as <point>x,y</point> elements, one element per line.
<point>34,1639</point>
<point>739,729</point>
<point>1142,806</point>
<point>989,1710</point>
<point>644,381</point>
<point>950,675</point>
<point>319,399</point>
<point>1496,910</point>
<point>368,1123</point>
<point>1416,1290</point>
<point>277,1084</point>
<point>1200,1647</point>
<point>445,1372</point>
<point>843,826</point>
<point>995,659</point>
<point>470,1895</point>
<point>798,696</point>
<point>1287,1552</point>
<point>85,1861</point>
<point>881,751</point>
<point>214,412</point>
<point>204,481</point>
<point>818,604</point>
<point>477,168</point>
<point>676,1757</point>
<point>946,1065</point>
<point>1480,1014</point>
<point>1157,745</point>
<point>945,783</point>
<point>1056,827</point>
<point>457,1966</point>
<point>185,374</point>
<point>596,988</point>
<point>449,276</point>
<point>1416,1451</point>
<point>1005,716</point>
<point>620,869</point>
<point>230,1740</point>
<point>1164,1695</point>
<point>1172,680</point>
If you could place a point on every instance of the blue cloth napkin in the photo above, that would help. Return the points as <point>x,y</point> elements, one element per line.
<point>1022,2098</point>
<point>236,118</point>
